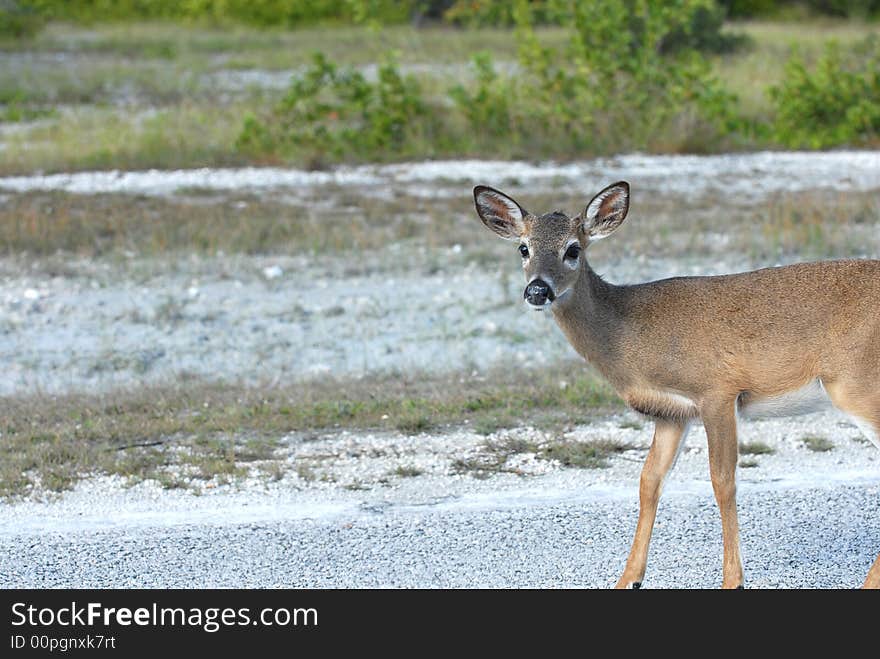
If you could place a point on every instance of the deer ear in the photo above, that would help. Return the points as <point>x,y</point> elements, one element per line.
<point>499,212</point>
<point>606,211</point>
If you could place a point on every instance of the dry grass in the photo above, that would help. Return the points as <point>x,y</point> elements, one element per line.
<point>41,223</point>
<point>806,225</point>
<point>815,225</point>
<point>210,430</point>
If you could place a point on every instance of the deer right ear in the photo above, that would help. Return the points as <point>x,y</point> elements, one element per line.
<point>499,212</point>
<point>606,211</point>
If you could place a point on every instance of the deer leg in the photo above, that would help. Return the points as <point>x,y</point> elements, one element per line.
<point>668,436</point>
<point>720,422</point>
<point>863,407</point>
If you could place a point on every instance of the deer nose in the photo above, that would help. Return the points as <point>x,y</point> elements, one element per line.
<point>538,293</point>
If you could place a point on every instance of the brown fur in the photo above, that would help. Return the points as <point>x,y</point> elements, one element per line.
<point>700,347</point>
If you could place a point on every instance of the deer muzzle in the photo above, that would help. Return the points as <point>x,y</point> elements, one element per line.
<point>539,294</point>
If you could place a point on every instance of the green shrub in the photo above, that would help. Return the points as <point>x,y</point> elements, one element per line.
<point>336,113</point>
<point>488,103</point>
<point>692,24</point>
<point>836,102</point>
<point>19,19</point>
<point>615,85</point>
<point>842,8</point>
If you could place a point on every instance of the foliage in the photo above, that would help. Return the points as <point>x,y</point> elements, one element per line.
<point>18,19</point>
<point>698,27</point>
<point>336,113</point>
<point>616,80</point>
<point>836,102</point>
<point>615,85</point>
<point>840,8</point>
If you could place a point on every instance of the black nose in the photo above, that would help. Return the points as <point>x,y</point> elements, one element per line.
<point>538,292</point>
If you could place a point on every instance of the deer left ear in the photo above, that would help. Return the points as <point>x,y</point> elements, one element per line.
<point>500,213</point>
<point>606,211</point>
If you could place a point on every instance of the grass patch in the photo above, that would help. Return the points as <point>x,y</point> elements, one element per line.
<point>405,471</point>
<point>816,227</point>
<point>240,47</point>
<point>582,455</point>
<point>817,444</point>
<point>755,448</point>
<point>202,431</point>
<point>186,135</point>
<point>629,424</point>
<point>43,223</point>
<point>748,463</point>
<point>494,457</point>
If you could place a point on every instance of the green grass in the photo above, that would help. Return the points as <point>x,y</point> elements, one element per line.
<point>494,457</point>
<point>755,448</point>
<point>245,48</point>
<point>203,431</point>
<point>184,135</point>
<point>630,425</point>
<point>582,455</point>
<point>817,444</point>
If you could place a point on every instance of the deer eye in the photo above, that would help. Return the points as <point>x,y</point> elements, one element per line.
<point>572,252</point>
<point>524,251</point>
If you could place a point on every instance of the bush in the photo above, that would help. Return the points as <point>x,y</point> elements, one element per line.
<point>698,26</point>
<point>19,20</point>
<point>333,113</point>
<point>835,103</point>
<point>617,84</point>
<point>614,86</point>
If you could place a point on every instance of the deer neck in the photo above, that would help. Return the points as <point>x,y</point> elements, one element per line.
<point>590,317</point>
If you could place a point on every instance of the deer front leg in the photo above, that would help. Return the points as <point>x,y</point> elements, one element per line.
<point>668,436</point>
<point>720,422</point>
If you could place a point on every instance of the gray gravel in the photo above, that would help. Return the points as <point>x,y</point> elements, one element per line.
<point>790,539</point>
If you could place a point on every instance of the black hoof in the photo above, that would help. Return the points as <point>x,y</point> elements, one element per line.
<point>740,587</point>
<point>636,585</point>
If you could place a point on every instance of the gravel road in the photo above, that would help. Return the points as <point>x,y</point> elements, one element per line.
<point>808,520</point>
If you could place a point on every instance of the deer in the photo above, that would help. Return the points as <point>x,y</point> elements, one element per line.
<point>776,341</point>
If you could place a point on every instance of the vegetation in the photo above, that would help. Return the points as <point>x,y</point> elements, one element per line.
<point>593,95</point>
<point>495,456</point>
<point>201,430</point>
<point>147,95</point>
<point>755,448</point>
<point>836,102</point>
<point>299,13</point>
<point>817,444</point>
